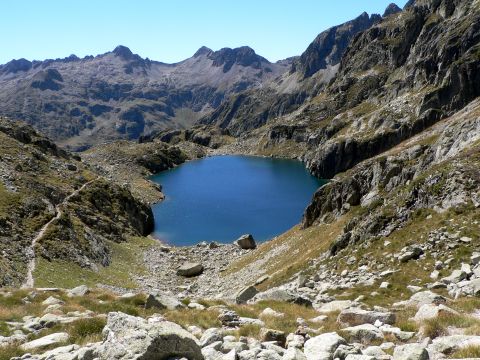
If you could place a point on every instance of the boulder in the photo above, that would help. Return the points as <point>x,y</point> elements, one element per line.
<point>162,300</point>
<point>410,352</point>
<point>323,346</point>
<point>431,311</point>
<point>334,306</point>
<point>455,277</point>
<point>282,295</point>
<point>356,316</point>
<point>210,336</point>
<point>81,290</point>
<point>294,354</point>
<point>43,342</point>
<point>130,337</point>
<point>246,294</point>
<point>190,269</point>
<point>246,242</point>
<point>452,343</point>
<point>364,333</point>
<point>423,297</point>
<point>51,300</point>
<point>277,336</point>
<point>268,312</point>
<point>410,253</point>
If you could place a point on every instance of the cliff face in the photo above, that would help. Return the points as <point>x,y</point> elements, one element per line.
<point>308,74</point>
<point>396,78</point>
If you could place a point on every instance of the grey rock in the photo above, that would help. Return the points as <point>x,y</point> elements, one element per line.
<point>210,336</point>
<point>294,354</point>
<point>246,242</point>
<point>43,342</point>
<point>162,300</point>
<point>246,294</point>
<point>410,352</point>
<point>190,269</point>
<point>364,333</point>
<point>356,316</point>
<point>323,346</point>
<point>81,290</point>
<point>128,337</point>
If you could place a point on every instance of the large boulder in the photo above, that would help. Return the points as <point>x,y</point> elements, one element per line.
<point>432,311</point>
<point>334,306</point>
<point>81,290</point>
<point>128,337</point>
<point>282,295</point>
<point>410,352</point>
<point>43,342</point>
<point>190,269</point>
<point>162,300</point>
<point>365,333</point>
<point>246,294</point>
<point>246,242</point>
<point>323,346</point>
<point>356,316</point>
<point>420,298</point>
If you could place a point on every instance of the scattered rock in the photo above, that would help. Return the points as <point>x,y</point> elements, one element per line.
<point>410,352</point>
<point>81,290</point>
<point>43,342</point>
<point>356,316</point>
<point>190,269</point>
<point>163,301</point>
<point>246,242</point>
<point>323,346</point>
<point>246,294</point>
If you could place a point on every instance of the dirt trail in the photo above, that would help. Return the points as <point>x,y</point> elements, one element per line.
<point>29,281</point>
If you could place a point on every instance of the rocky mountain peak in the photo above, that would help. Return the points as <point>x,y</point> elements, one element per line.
<point>391,9</point>
<point>15,66</point>
<point>328,47</point>
<point>123,52</point>
<point>244,56</point>
<point>203,51</point>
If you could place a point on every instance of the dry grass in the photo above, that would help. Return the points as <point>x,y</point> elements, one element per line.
<point>439,326</point>
<point>293,252</point>
<point>469,352</point>
<point>186,317</point>
<point>8,352</point>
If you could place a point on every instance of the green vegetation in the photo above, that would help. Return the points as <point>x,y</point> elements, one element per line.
<point>126,263</point>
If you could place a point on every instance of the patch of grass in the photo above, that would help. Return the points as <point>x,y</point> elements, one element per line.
<point>86,330</point>
<point>250,330</point>
<point>126,263</point>
<point>10,351</point>
<point>186,317</point>
<point>439,326</point>
<point>469,352</point>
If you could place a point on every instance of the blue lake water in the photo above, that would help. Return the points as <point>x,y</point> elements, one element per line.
<point>222,197</point>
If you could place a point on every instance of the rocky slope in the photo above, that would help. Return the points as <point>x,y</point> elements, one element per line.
<point>54,206</point>
<point>119,95</point>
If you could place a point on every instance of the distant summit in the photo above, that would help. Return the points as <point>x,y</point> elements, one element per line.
<point>203,51</point>
<point>244,56</point>
<point>329,46</point>
<point>391,9</point>
<point>123,52</point>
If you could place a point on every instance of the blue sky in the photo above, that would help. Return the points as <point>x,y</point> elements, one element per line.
<point>169,31</point>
